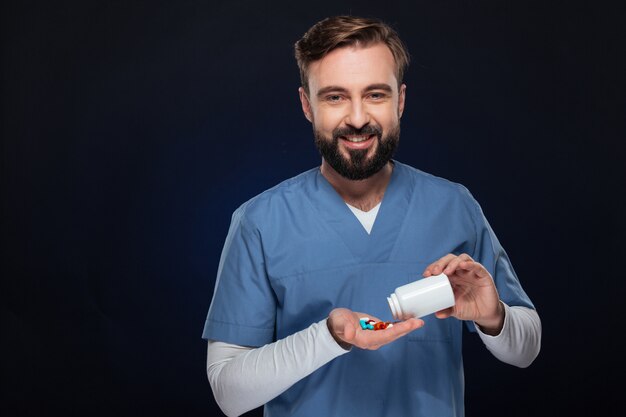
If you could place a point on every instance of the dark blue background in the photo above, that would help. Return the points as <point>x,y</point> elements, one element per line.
<point>132,130</point>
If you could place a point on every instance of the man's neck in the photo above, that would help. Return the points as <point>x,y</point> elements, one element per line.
<point>362,194</point>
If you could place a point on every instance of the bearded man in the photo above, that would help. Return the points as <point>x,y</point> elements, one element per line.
<point>306,260</point>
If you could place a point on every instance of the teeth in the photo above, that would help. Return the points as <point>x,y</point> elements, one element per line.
<point>356,139</point>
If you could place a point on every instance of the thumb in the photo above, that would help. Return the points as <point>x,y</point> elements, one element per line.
<point>339,325</point>
<point>347,332</point>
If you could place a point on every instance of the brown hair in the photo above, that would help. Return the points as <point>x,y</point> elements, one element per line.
<point>341,31</point>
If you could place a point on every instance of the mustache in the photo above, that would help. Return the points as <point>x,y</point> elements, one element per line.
<point>351,131</point>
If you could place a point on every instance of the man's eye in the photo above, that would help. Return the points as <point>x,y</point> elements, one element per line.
<point>334,98</point>
<point>377,96</point>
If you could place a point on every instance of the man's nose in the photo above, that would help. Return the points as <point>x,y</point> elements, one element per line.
<point>358,116</point>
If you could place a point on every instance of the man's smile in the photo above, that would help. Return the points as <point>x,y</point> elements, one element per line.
<point>358,141</point>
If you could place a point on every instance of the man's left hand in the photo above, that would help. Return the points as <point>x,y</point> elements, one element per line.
<point>475,294</point>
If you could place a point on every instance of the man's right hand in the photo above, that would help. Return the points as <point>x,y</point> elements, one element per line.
<point>345,327</point>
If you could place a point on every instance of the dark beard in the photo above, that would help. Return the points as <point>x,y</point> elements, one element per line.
<point>358,166</point>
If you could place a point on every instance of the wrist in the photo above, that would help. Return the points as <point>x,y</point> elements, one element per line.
<point>492,326</point>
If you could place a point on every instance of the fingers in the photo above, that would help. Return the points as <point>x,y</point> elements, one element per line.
<point>475,267</point>
<point>454,263</point>
<point>451,263</point>
<point>437,267</point>
<point>344,325</point>
<point>467,280</point>
<point>447,264</point>
<point>367,339</point>
<point>444,314</point>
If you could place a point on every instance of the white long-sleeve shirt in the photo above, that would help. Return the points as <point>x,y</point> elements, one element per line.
<point>244,378</point>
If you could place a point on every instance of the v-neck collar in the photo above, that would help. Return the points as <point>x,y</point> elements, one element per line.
<point>379,244</point>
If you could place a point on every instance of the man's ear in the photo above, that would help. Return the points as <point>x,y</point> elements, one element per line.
<point>306,105</point>
<point>401,97</point>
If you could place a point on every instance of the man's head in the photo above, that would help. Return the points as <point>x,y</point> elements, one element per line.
<point>351,70</point>
<point>343,31</point>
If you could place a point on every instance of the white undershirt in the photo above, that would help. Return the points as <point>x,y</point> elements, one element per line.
<point>244,378</point>
<point>367,218</point>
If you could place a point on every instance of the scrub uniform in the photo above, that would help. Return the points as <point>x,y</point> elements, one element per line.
<point>296,251</point>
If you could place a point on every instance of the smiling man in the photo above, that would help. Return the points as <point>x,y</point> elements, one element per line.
<point>356,97</point>
<point>305,260</point>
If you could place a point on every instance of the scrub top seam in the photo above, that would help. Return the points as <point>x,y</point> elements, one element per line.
<point>350,266</point>
<point>476,214</point>
<point>406,216</point>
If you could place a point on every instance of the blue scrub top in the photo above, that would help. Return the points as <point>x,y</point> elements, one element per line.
<point>296,251</point>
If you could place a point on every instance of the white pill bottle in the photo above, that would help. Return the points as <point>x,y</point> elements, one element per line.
<point>422,297</point>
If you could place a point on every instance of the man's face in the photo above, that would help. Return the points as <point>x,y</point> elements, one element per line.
<point>355,107</point>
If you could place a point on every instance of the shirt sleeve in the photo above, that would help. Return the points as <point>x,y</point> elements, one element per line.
<point>243,308</point>
<point>519,341</point>
<point>244,378</point>
<point>490,253</point>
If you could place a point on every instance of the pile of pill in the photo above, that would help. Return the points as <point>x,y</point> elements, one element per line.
<point>369,324</point>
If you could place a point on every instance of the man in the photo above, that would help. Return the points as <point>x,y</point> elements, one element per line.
<point>305,260</point>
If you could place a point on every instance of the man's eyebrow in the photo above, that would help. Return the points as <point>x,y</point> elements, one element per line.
<point>337,89</point>
<point>329,89</point>
<point>381,86</point>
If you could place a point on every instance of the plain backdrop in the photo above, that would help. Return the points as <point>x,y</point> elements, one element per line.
<point>132,130</point>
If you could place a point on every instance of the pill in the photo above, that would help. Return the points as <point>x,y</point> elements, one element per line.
<point>370,324</point>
